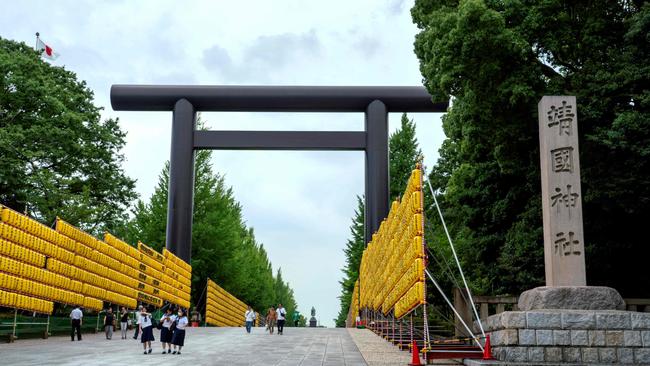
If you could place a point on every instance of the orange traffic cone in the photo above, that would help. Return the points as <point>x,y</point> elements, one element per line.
<point>487,349</point>
<point>415,360</point>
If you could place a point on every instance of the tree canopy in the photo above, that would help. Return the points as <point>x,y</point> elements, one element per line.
<point>57,157</point>
<point>495,60</point>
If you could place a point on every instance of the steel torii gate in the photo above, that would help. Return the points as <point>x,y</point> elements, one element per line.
<point>186,101</point>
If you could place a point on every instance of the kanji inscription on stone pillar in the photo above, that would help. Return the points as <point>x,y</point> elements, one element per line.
<point>564,253</point>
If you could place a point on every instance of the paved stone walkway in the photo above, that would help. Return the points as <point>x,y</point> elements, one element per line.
<point>204,346</point>
<point>378,352</point>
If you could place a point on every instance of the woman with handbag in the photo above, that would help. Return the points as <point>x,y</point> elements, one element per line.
<point>124,322</point>
<point>166,332</point>
<point>178,339</point>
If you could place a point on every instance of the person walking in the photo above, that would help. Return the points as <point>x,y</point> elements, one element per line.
<point>109,323</point>
<point>124,322</point>
<point>281,313</point>
<point>146,328</point>
<point>296,318</point>
<point>136,315</point>
<point>76,316</point>
<point>250,318</point>
<point>271,317</point>
<point>178,339</point>
<point>166,332</point>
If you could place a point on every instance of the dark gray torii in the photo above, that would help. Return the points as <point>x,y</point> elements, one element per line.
<point>185,101</point>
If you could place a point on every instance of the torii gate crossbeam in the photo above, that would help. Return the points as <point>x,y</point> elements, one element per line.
<point>374,101</point>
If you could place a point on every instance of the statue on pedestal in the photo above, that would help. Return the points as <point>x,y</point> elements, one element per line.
<point>312,321</point>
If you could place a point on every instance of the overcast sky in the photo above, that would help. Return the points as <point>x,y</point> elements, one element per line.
<point>299,203</point>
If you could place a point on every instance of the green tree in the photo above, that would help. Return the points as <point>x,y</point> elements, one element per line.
<point>303,321</point>
<point>353,251</point>
<point>284,296</point>
<point>495,60</point>
<point>404,155</point>
<point>57,157</point>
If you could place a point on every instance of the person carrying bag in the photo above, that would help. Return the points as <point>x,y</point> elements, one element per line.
<point>167,326</point>
<point>109,323</point>
<point>178,339</point>
<point>281,313</point>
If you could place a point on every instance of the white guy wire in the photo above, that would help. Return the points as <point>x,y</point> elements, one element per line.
<point>451,244</point>
<point>452,308</point>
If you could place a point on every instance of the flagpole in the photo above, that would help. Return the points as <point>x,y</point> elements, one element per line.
<point>36,46</point>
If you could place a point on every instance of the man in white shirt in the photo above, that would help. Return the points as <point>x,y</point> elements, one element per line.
<point>77,317</point>
<point>281,318</point>
<point>250,318</point>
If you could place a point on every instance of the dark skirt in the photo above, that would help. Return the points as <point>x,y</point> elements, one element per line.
<point>166,335</point>
<point>179,337</point>
<point>147,334</point>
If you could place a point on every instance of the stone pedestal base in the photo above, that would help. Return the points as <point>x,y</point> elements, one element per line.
<point>313,323</point>
<point>570,336</point>
<point>571,298</point>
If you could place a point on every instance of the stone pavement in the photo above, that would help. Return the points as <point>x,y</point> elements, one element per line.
<point>203,346</point>
<point>378,352</point>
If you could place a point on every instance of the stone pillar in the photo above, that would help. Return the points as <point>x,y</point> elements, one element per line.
<point>464,309</point>
<point>564,254</point>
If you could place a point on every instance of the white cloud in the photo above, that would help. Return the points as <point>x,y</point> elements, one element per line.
<point>300,203</point>
<point>264,59</point>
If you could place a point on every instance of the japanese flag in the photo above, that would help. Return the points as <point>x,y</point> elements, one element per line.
<point>48,52</point>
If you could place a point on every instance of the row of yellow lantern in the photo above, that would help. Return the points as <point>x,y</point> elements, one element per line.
<point>35,289</point>
<point>35,228</point>
<point>388,249</point>
<point>26,271</point>
<point>400,256</point>
<point>222,308</point>
<point>108,271</point>
<point>29,241</point>
<point>142,269</point>
<point>218,314</point>
<point>25,255</point>
<point>401,260</point>
<point>233,301</point>
<point>354,302</point>
<point>394,260</point>
<point>149,268</point>
<point>171,257</point>
<point>415,273</point>
<point>413,297</point>
<point>23,302</point>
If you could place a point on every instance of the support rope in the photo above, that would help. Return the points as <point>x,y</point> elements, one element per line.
<point>469,331</point>
<point>453,250</point>
<point>448,272</point>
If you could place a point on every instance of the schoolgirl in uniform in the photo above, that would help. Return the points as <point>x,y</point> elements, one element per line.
<point>178,339</point>
<point>165,332</point>
<point>146,328</point>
